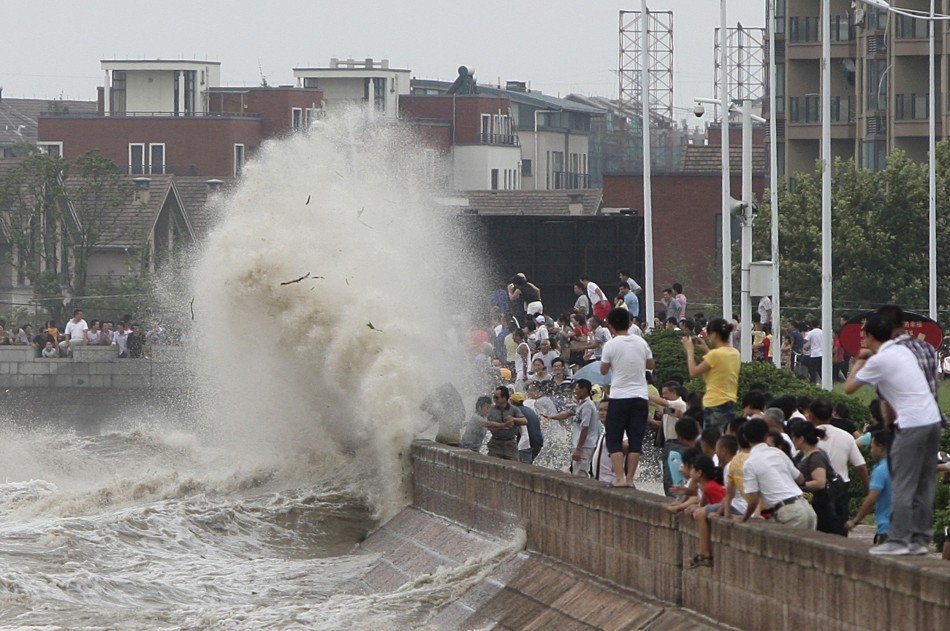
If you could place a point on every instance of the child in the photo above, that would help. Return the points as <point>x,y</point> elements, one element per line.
<point>708,480</point>
<point>879,493</point>
<point>690,492</point>
<point>475,430</point>
<point>50,350</point>
<point>687,431</point>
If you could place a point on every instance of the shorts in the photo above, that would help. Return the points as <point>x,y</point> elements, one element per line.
<point>626,416</point>
<point>601,309</point>
<point>719,416</point>
<point>534,308</point>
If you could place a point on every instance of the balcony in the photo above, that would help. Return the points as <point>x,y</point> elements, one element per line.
<point>567,180</point>
<point>912,114</point>
<point>499,139</point>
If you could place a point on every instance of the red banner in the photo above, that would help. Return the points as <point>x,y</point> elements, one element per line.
<point>916,325</point>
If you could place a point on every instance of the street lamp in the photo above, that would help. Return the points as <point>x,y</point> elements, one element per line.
<point>773,196</point>
<point>726,174</point>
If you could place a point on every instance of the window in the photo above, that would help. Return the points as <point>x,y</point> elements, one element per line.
<point>841,30</point>
<point>296,118</point>
<point>486,128</point>
<point>779,88</point>
<point>238,160</point>
<point>494,179</point>
<point>117,95</point>
<point>526,168</point>
<point>156,158</point>
<point>779,17</point>
<point>873,154</point>
<point>780,155</point>
<point>910,28</point>
<point>136,158</point>
<point>877,84</point>
<point>54,149</point>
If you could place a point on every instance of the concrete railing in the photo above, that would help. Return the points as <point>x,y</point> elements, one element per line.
<point>91,367</point>
<point>766,576</point>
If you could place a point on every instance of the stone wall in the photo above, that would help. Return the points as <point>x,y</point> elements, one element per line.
<point>766,576</point>
<point>91,367</point>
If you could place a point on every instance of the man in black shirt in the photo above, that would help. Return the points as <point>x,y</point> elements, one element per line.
<point>136,342</point>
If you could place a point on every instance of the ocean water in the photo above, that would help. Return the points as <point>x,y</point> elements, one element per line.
<point>330,301</point>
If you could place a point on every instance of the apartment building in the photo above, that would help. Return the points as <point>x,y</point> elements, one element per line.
<point>157,117</point>
<point>879,82</point>
<point>553,133</point>
<point>357,81</point>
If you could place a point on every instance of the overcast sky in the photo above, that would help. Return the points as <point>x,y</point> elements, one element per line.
<point>53,48</point>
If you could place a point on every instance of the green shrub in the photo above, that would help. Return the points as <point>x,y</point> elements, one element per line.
<point>669,356</point>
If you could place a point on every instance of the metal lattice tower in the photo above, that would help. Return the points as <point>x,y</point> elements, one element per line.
<point>660,52</point>
<point>747,60</point>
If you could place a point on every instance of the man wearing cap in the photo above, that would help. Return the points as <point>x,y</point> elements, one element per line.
<point>531,441</point>
<point>504,422</point>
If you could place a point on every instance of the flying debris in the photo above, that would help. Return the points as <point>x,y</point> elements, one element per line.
<point>370,325</point>
<point>296,280</point>
<point>307,203</point>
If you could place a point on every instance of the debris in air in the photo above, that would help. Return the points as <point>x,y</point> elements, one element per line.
<point>296,280</point>
<point>370,325</point>
<point>192,305</point>
<point>307,203</point>
<point>358,218</point>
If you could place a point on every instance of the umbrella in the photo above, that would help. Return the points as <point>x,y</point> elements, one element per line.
<point>591,372</point>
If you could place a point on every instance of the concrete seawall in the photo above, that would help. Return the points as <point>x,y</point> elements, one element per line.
<point>766,576</point>
<point>92,367</point>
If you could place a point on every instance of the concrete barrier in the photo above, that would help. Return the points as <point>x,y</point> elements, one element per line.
<point>766,576</point>
<point>93,367</point>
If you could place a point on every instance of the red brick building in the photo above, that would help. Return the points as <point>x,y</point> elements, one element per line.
<point>687,209</point>
<point>170,117</point>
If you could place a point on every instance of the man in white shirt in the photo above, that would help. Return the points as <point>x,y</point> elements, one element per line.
<point>813,349</point>
<point>120,339</point>
<point>629,357</point>
<point>769,476</point>
<point>899,375</point>
<point>597,297</point>
<point>76,333</point>
<point>842,450</point>
<point>546,354</point>
<point>673,409</point>
<point>765,310</point>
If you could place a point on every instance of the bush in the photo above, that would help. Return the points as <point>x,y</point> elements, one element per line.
<point>669,356</point>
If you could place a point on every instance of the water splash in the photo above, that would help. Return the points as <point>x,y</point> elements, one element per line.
<point>325,299</point>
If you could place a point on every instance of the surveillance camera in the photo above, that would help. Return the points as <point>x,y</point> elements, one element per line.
<point>699,110</point>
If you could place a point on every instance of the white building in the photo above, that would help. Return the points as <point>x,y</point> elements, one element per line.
<point>169,87</point>
<point>357,81</point>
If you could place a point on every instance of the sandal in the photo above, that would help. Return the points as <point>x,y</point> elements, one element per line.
<point>701,561</point>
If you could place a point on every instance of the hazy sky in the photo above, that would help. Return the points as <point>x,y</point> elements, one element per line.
<point>52,48</point>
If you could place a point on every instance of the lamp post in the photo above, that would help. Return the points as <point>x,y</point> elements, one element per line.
<point>647,170</point>
<point>773,195</point>
<point>726,174</point>
<point>932,17</point>
<point>827,342</point>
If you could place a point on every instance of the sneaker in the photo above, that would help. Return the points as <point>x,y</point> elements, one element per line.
<point>890,548</point>
<point>918,549</point>
<point>701,561</point>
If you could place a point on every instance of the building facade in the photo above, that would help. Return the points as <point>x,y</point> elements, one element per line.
<point>357,81</point>
<point>879,82</point>
<point>159,117</point>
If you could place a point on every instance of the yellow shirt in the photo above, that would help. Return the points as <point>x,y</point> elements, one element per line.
<point>511,347</point>
<point>722,380</point>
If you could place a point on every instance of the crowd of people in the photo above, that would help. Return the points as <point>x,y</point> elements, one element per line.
<point>767,456</point>
<point>125,337</point>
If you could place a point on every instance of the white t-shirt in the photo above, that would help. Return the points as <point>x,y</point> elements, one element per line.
<point>841,449</point>
<point>814,339</point>
<point>74,330</point>
<point>771,474</point>
<point>592,290</point>
<point>627,356</point>
<point>669,420</point>
<point>739,505</point>
<point>765,306</point>
<point>601,336</point>
<point>632,284</point>
<point>119,340</point>
<point>898,376</point>
<point>548,358</point>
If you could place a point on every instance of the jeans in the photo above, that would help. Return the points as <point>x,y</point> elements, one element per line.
<point>913,483</point>
<point>719,416</point>
<point>525,456</point>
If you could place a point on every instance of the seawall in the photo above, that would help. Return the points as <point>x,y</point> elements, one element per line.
<point>766,576</point>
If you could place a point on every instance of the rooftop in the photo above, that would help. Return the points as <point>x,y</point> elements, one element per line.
<point>532,98</point>
<point>160,61</point>
<point>534,202</point>
<point>18,117</point>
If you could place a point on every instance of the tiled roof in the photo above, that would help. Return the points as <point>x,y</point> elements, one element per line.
<point>129,224</point>
<point>195,195</point>
<point>532,98</point>
<point>18,117</point>
<point>706,159</point>
<point>534,202</point>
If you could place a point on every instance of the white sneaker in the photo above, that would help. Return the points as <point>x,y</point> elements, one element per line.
<point>918,548</point>
<point>890,548</point>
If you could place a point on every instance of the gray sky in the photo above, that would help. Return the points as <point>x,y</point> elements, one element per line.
<point>53,48</point>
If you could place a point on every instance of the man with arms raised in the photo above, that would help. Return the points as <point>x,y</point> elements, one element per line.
<point>628,357</point>
<point>902,373</point>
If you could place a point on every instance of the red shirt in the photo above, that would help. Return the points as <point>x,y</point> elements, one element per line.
<point>714,492</point>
